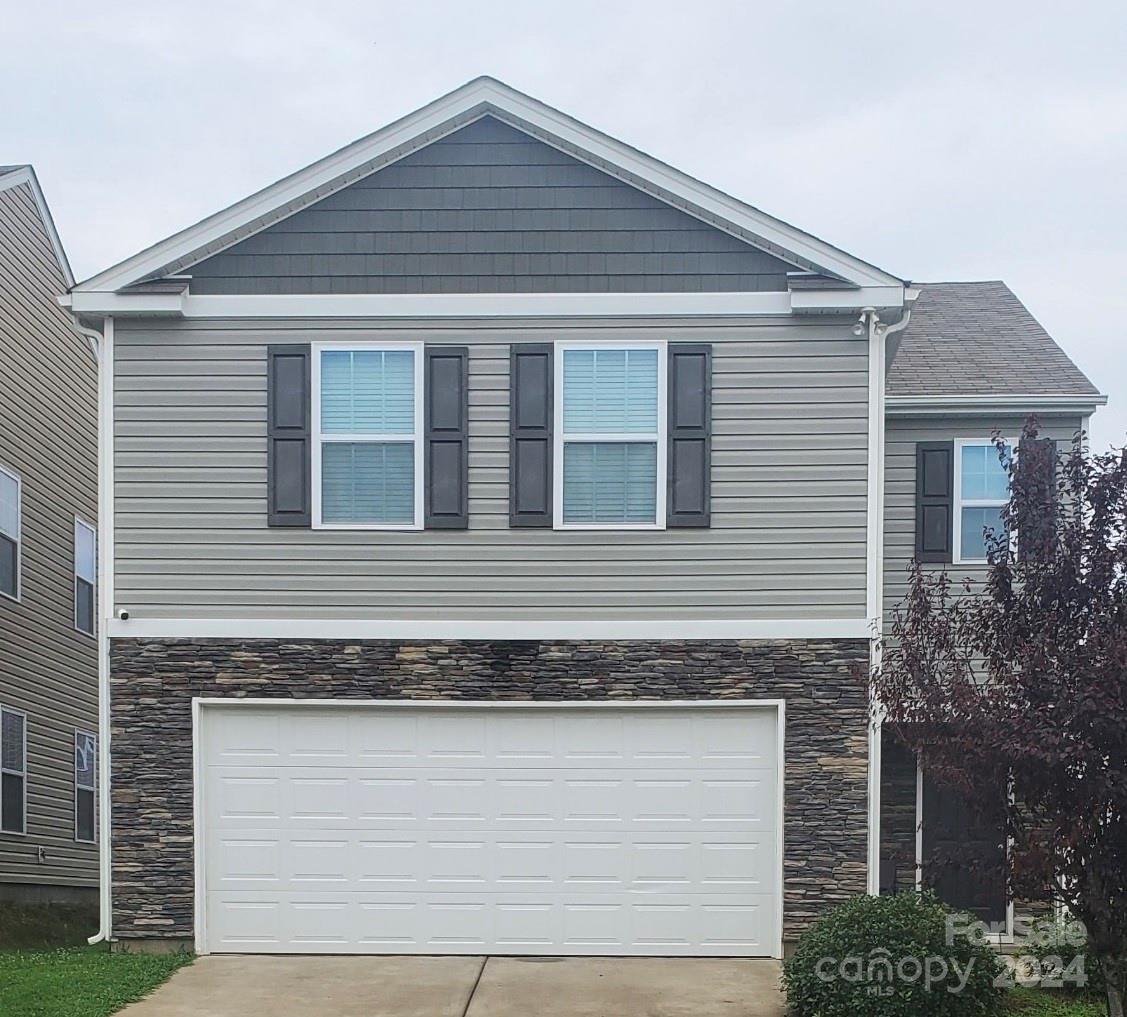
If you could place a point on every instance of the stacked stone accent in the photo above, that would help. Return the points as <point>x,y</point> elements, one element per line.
<point>153,683</point>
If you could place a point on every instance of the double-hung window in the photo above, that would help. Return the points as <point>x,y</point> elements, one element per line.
<point>367,447</point>
<point>9,534</point>
<point>610,436</point>
<point>85,575</point>
<point>13,770</point>
<point>982,490</point>
<point>85,783</point>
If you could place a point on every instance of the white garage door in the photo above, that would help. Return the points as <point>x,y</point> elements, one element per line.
<point>511,830</point>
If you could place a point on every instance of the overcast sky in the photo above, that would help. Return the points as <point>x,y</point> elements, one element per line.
<point>982,140</point>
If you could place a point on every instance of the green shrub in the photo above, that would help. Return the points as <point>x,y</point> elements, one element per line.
<point>1063,960</point>
<point>891,957</point>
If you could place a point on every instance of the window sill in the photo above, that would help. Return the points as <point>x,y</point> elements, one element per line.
<point>608,527</point>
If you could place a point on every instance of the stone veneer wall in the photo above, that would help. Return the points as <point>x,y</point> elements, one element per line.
<point>153,683</point>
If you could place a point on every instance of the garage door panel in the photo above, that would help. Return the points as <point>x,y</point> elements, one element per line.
<point>588,861</point>
<point>361,798</point>
<point>459,830</point>
<point>719,925</point>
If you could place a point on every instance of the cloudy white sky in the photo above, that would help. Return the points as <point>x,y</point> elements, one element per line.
<point>940,141</point>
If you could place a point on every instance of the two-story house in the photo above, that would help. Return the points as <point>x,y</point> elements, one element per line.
<point>497,524</point>
<point>48,538</point>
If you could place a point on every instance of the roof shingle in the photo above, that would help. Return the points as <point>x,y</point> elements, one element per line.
<point>977,338</point>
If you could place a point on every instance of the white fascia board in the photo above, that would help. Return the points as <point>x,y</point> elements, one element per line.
<point>313,628</point>
<point>469,305</point>
<point>942,405</point>
<point>83,302</point>
<point>26,175</point>
<point>845,300</point>
<point>480,97</point>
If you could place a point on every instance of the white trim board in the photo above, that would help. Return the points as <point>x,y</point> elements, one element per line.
<point>944,405</point>
<point>313,628</point>
<point>202,703</point>
<point>485,96</point>
<point>475,305</point>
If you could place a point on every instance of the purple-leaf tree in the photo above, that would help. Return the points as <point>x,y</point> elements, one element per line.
<point>1023,672</point>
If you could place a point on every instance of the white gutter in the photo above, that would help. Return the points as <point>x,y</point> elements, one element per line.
<point>483,305</point>
<point>874,580</point>
<point>105,607</point>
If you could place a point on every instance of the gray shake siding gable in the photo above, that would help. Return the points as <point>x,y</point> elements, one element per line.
<point>787,534</point>
<point>489,209</point>
<point>154,682</point>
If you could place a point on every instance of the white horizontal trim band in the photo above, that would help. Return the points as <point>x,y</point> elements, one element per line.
<point>472,305</point>
<point>312,628</point>
<point>496,704</point>
<point>903,405</point>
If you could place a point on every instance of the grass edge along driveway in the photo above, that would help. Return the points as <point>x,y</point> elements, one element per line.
<point>79,981</point>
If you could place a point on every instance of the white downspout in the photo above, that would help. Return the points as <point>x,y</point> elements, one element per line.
<point>103,350</point>
<point>877,333</point>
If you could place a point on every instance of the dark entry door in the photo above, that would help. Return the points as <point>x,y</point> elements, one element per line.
<point>963,857</point>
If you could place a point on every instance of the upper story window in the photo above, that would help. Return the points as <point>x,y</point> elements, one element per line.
<point>367,442</point>
<point>13,771</point>
<point>982,490</point>
<point>85,575</point>
<point>9,533</point>
<point>85,768</point>
<point>610,436</point>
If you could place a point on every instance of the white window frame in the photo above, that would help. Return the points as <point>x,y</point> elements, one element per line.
<point>93,789</point>
<point>19,534</point>
<point>560,438</point>
<point>959,503</point>
<point>11,709</point>
<point>359,436</point>
<point>93,632</point>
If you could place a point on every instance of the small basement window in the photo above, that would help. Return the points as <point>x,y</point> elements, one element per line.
<point>368,448</point>
<point>610,444</point>
<point>85,575</point>
<point>982,491</point>
<point>13,770</point>
<point>10,521</point>
<point>85,783</point>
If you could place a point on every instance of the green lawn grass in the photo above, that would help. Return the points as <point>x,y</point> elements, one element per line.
<point>79,981</point>
<point>1053,1003</point>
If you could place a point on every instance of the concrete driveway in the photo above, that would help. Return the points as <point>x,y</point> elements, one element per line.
<point>237,986</point>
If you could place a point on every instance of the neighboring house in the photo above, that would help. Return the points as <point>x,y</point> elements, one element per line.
<point>497,545</point>
<point>48,536</point>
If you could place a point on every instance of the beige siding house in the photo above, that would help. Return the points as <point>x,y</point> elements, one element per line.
<point>48,532</point>
<point>499,527</point>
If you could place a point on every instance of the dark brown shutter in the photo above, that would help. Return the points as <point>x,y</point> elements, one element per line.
<point>288,437</point>
<point>446,424</point>
<point>688,501</point>
<point>530,434</point>
<point>934,500</point>
<point>1036,473</point>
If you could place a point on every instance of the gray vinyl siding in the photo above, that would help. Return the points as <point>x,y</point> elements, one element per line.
<point>901,436</point>
<point>489,209</point>
<point>788,488</point>
<point>48,435</point>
